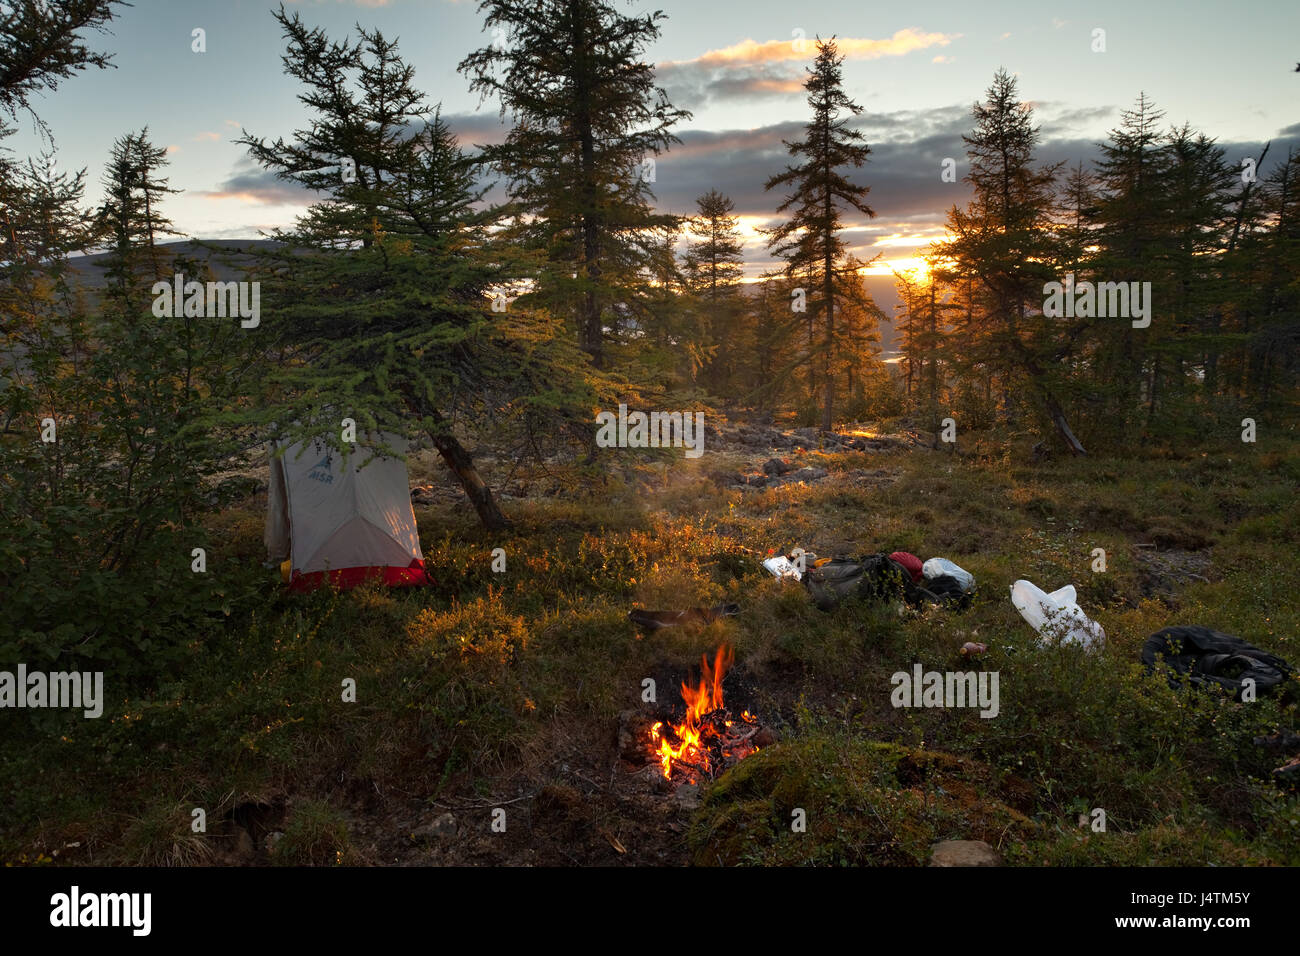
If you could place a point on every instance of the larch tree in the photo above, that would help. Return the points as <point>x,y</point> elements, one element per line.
<point>390,296</point>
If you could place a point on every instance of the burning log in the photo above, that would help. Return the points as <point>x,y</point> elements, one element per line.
<point>711,738</point>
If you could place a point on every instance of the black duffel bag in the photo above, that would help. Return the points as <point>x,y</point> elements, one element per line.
<point>1211,658</point>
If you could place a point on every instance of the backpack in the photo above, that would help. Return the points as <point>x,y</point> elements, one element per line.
<point>876,577</point>
<point>1208,657</point>
<point>948,590</point>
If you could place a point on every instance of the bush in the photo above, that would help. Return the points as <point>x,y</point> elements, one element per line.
<point>102,521</point>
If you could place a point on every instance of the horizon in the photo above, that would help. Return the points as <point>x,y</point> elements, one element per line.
<point>916,76</point>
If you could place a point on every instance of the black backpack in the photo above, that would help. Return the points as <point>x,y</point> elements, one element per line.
<point>876,578</point>
<point>947,590</point>
<point>1207,657</point>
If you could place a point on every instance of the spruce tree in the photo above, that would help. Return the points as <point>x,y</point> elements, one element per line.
<point>809,241</point>
<point>131,220</point>
<point>713,272</point>
<point>1006,239</point>
<point>589,121</point>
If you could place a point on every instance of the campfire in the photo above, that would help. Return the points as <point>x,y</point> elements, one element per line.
<point>710,739</point>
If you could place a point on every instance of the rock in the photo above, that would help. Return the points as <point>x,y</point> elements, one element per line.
<point>649,779</point>
<point>809,474</point>
<point>687,796</point>
<point>633,737</point>
<point>244,847</point>
<point>964,853</point>
<point>764,738</point>
<point>422,495</point>
<point>271,840</point>
<point>777,466</point>
<point>442,827</point>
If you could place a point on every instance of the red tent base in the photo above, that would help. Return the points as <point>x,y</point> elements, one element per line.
<point>345,579</point>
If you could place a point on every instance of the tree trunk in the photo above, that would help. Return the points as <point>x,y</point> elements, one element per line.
<point>479,494</point>
<point>591,331</point>
<point>1062,426</point>
<point>461,464</point>
<point>1054,410</point>
<point>828,264</point>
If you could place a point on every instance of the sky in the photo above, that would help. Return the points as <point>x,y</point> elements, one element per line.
<point>737,65</point>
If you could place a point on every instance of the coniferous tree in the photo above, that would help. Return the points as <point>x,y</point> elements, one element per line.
<point>925,304</point>
<point>391,294</point>
<point>1198,193</point>
<point>1132,237</point>
<point>713,272</point>
<point>579,160</point>
<point>1270,322</point>
<point>810,240</point>
<point>1006,240</point>
<point>111,505</point>
<point>131,219</point>
<point>42,43</point>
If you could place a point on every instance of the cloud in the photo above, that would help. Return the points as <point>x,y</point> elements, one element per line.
<point>800,50</point>
<point>1059,118</point>
<point>483,128</point>
<point>748,70</point>
<point>691,87</point>
<point>907,150</point>
<point>358,3</point>
<point>206,137</point>
<point>250,183</point>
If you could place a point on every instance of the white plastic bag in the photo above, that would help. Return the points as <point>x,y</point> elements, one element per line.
<point>1056,616</point>
<point>938,567</point>
<point>782,567</point>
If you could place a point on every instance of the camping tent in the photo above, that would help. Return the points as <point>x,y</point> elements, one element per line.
<point>334,517</point>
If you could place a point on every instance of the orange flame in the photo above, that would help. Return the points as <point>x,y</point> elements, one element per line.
<point>701,700</point>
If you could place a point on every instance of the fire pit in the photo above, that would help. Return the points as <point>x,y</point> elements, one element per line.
<point>710,739</point>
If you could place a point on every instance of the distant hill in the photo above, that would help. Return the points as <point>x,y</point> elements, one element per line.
<point>90,272</point>
<point>90,269</point>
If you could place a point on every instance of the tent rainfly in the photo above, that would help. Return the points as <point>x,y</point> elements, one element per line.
<point>337,521</point>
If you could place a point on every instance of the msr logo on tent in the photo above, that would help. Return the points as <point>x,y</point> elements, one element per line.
<point>321,471</point>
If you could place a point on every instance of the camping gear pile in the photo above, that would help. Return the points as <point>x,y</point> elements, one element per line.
<point>876,577</point>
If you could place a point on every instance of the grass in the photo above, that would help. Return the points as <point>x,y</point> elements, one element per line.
<point>476,689</point>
